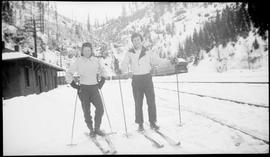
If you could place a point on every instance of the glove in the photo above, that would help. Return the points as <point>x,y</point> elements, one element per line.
<point>116,67</point>
<point>101,82</point>
<point>74,85</point>
<point>130,74</point>
<point>118,71</point>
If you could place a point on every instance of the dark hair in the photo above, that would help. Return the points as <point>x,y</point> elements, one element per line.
<point>134,35</point>
<point>86,44</point>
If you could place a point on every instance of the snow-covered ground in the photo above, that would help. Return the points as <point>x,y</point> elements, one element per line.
<point>41,124</point>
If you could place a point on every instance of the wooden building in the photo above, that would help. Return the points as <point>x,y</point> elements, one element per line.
<point>23,74</point>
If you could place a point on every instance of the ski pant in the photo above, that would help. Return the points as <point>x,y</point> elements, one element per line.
<point>90,94</point>
<point>143,85</point>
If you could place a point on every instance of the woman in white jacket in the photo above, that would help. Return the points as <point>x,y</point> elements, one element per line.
<point>88,68</point>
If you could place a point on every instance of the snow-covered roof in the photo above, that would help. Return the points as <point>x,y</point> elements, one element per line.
<point>19,55</point>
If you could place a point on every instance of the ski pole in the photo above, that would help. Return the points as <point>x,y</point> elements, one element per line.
<point>122,105</point>
<point>103,102</point>
<point>178,97</point>
<point>74,115</point>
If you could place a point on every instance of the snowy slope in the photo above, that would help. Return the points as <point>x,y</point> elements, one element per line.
<point>235,55</point>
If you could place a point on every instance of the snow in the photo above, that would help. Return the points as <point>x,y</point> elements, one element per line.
<point>41,124</point>
<point>14,55</point>
<point>20,55</point>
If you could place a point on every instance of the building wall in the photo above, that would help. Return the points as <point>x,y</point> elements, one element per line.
<point>16,78</point>
<point>27,89</point>
<point>10,80</point>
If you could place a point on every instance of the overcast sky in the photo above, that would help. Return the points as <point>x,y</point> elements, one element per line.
<point>96,10</point>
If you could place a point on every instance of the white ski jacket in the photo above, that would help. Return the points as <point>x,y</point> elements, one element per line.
<point>87,69</point>
<point>141,62</point>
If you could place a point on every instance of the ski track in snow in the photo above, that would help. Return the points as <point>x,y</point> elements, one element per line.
<point>206,108</point>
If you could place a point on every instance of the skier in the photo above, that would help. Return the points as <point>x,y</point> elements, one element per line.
<point>141,62</point>
<point>89,69</point>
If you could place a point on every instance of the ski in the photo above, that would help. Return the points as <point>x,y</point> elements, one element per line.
<point>95,141</point>
<point>167,138</point>
<point>154,142</point>
<point>110,133</point>
<point>110,144</point>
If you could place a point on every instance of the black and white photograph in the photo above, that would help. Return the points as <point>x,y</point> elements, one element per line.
<point>134,78</point>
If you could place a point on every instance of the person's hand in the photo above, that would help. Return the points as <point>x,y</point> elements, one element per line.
<point>130,74</point>
<point>116,67</point>
<point>118,71</point>
<point>74,85</point>
<point>101,82</point>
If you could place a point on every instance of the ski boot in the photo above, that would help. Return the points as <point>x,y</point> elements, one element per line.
<point>140,128</point>
<point>92,133</point>
<point>154,126</point>
<point>99,132</point>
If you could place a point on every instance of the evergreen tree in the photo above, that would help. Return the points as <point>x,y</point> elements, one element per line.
<point>208,37</point>
<point>241,21</point>
<point>257,14</point>
<point>7,11</point>
<point>195,41</point>
<point>210,33</point>
<point>77,31</point>
<point>201,38</point>
<point>164,55</point>
<point>231,24</point>
<point>256,44</point>
<point>124,12</point>
<point>181,52</point>
<point>168,29</point>
<point>227,23</point>
<point>224,34</point>
<point>245,21</point>
<point>237,20</point>
<point>173,28</point>
<point>88,24</point>
<point>160,54</point>
<point>217,29</point>
<point>188,46</point>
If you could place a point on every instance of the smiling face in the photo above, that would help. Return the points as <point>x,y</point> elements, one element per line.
<point>87,52</point>
<point>137,42</point>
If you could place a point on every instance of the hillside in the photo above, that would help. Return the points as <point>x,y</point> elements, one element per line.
<point>55,33</point>
<point>192,31</point>
<point>220,35</point>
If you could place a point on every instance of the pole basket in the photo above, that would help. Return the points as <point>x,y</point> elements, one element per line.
<point>180,125</point>
<point>127,135</point>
